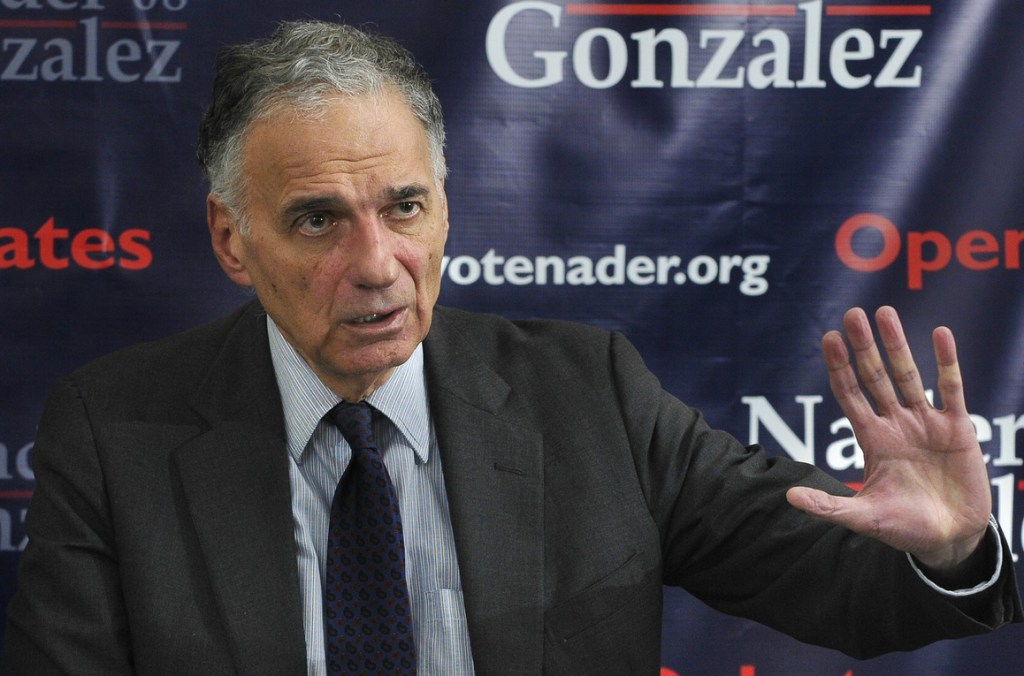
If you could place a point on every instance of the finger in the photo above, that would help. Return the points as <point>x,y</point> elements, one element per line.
<point>842,380</point>
<point>870,366</point>
<point>903,370</point>
<point>951,386</point>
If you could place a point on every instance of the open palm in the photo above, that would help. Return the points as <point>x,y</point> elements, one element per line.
<point>926,487</point>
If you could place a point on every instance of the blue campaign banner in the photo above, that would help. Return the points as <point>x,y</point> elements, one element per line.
<point>719,181</point>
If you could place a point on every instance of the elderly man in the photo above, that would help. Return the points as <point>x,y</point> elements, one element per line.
<point>341,476</point>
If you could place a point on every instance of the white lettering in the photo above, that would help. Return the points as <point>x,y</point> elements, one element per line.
<point>7,532</point>
<point>61,66</point>
<point>169,5</point>
<point>611,270</point>
<point>497,52</point>
<point>1008,426</point>
<point>721,47</point>
<point>13,69</point>
<point>618,58</point>
<point>778,59</point>
<point>553,263</point>
<point>581,271</point>
<point>647,43</point>
<point>92,49</point>
<point>844,453</point>
<point>489,263</point>
<point>702,270</point>
<point>762,413</point>
<point>812,46</point>
<point>711,75</point>
<point>908,39</point>
<point>123,51</point>
<point>617,269</point>
<point>21,467</point>
<point>86,60</point>
<point>667,264</point>
<point>163,51</point>
<point>464,270</point>
<point>641,271</point>
<point>840,54</point>
<point>519,270</point>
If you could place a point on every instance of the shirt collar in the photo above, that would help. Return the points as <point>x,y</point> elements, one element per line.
<point>305,399</point>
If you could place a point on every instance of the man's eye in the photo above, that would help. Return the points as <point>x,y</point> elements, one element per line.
<point>314,224</point>
<point>406,209</point>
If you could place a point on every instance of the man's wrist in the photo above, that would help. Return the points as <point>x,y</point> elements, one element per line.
<point>976,572</point>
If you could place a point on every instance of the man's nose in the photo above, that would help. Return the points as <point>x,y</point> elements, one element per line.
<point>370,249</point>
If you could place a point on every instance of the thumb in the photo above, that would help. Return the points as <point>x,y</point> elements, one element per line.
<point>815,502</point>
<point>858,515</point>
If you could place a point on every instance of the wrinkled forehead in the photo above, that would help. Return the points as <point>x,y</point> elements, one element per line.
<point>384,103</point>
<point>371,142</point>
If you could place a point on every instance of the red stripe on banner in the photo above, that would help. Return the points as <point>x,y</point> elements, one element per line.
<point>855,485</point>
<point>146,25</point>
<point>1020,485</point>
<point>684,10</point>
<point>878,10</point>
<point>15,495</point>
<point>35,23</point>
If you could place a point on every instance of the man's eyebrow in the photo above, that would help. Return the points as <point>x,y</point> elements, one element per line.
<point>334,204</point>
<point>305,205</point>
<point>407,192</point>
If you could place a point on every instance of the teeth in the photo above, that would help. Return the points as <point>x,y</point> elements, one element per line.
<point>369,319</point>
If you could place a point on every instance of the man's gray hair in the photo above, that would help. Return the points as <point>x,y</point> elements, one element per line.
<point>302,66</point>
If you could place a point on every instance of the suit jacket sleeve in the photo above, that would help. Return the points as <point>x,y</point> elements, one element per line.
<point>160,537</point>
<point>730,537</point>
<point>67,616</point>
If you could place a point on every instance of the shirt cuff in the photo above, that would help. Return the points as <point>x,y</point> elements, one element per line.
<point>993,529</point>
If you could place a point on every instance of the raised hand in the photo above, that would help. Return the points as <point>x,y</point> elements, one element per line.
<point>926,488</point>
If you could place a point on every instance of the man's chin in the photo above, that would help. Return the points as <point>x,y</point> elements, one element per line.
<point>366,372</point>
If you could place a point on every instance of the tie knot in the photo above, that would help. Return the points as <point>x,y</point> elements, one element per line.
<point>355,423</point>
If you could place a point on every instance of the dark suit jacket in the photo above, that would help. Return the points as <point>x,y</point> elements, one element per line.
<point>161,541</point>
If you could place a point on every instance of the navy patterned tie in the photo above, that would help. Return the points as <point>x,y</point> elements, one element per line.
<point>367,616</point>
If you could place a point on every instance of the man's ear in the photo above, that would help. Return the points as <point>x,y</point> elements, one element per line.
<point>226,241</point>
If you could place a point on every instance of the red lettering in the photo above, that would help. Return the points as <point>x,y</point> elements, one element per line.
<point>92,241</point>
<point>92,248</point>
<point>1012,241</point>
<point>975,242</point>
<point>47,235</point>
<point>15,253</point>
<point>927,251</point>
<point>917,264</point>
<point>881,260</point>
<point>139,255</point>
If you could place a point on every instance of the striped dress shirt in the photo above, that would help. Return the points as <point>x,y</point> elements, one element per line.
<point>317,458</point>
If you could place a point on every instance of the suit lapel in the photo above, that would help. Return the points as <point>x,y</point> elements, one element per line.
<point>493,470</point>
<point>235,484</point>
<point>236,492</point>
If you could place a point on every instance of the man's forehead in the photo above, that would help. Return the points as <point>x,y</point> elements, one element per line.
<point>367,120</point>
<point>349,138</point>
<point>386,101</point>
